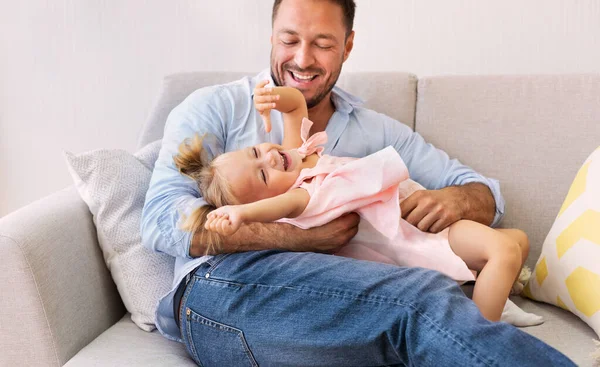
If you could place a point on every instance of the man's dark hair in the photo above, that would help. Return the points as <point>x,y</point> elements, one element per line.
<point>348,9</point>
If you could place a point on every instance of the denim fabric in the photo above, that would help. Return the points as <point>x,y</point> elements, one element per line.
<point>273,308</point>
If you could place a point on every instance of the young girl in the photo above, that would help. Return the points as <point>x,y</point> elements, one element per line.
<point>297,184</point>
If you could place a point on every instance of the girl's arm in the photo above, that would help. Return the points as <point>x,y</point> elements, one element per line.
<point>226,220</point>
<point>293,106</point>
<point>290,102</point>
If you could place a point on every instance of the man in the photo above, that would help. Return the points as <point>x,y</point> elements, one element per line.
<point>270,297</point>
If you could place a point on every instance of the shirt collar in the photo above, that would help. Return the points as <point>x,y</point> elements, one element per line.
<point>344,102</point>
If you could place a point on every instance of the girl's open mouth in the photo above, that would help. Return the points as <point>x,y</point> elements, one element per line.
<point>286,162</point>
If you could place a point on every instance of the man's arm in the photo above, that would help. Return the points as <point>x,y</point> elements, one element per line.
<point>264,236</point>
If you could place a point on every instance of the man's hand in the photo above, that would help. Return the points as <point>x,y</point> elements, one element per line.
<point>434,210</point>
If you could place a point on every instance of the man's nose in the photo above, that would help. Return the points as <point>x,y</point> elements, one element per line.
<point>304,57</point>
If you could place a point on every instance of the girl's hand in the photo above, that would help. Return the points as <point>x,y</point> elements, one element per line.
<point>225,220</point>
<point>264,101</point>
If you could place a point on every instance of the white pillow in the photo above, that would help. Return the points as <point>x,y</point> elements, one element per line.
<point>113,183</point>
<point>567,274</point>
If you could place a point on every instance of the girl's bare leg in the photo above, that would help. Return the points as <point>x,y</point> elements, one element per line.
<point>496,255</point>
<point>522,240</point>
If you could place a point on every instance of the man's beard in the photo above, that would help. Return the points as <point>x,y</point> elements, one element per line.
<point>320,94</point>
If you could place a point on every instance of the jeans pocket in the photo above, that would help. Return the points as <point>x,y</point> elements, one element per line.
<point>215,344</point>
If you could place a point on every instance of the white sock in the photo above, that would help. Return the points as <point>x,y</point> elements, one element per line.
<point>514,315</point>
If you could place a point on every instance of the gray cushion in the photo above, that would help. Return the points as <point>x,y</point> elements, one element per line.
<point>393,94</point>
<point>124,344</point>
<point>56,294</point>
<point>113,183</point>
<point>530,132</point>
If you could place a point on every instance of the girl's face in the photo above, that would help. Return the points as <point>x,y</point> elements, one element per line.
<point>260,172</point>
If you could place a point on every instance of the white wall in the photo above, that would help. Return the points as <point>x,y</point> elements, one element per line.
<point>79,75</point>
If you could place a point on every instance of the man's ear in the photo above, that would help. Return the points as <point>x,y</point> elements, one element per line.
<point>348,46</point>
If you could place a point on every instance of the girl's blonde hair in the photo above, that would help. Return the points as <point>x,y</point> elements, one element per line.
<point>193,162</point>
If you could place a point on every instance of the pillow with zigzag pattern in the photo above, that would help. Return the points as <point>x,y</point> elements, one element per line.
<point>567,274</point>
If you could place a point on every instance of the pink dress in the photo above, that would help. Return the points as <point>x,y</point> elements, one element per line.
<point>373,187</point>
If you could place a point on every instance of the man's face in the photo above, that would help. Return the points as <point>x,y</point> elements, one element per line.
<point>308,47</point>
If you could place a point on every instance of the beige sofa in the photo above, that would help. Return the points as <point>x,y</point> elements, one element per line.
<point>59,304</point>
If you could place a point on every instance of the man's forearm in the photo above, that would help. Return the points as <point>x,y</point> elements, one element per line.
<point>477,202</point>
<point>254,237</point>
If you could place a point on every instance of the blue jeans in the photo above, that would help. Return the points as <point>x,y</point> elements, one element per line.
<point>273,308</point>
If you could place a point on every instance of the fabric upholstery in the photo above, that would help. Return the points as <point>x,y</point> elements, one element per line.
<point>125,345</point>
<point>56,293</point>
<point>530,132</point>
<point>393,94</point>
<point>113,183</point>
<point>567,273</point>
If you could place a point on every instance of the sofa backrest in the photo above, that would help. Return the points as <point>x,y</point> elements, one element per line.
<point>530,132</point>
<point>391,93</point>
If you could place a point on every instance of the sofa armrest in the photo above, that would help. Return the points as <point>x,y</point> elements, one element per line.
<point>56,292</point>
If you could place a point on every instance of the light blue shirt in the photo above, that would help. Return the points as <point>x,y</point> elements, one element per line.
<point>227,113</point>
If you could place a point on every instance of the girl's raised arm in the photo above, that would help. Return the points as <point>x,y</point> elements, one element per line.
<point>288,101</point>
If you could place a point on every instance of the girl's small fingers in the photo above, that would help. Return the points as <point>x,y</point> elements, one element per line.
<point>266,98</point>
<point>263,107</point>
<point>261,84</point>
<point>263,91</point>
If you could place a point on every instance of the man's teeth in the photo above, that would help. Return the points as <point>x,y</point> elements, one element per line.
<point>303,77</point>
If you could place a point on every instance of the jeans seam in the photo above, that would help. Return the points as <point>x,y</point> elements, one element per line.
<point>189,337</point>
<point>380,300</point>
<point>187,326</point>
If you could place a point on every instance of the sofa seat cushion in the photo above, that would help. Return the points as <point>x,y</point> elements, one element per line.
<point>124,344</point>
<point>562,330</point>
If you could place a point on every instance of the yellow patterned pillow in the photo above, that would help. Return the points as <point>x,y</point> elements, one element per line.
<point>567,273</point>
